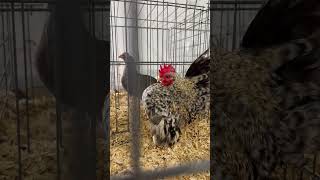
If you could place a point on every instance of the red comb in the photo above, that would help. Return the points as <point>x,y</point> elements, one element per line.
<point>166,69</point>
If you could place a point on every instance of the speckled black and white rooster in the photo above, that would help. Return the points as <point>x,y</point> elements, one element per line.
<point>266,97</point>
<point>175,101</point>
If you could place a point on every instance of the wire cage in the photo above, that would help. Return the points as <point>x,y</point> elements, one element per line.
<point>168,32</point>
<point>154,32</point>
<point>19,88</point>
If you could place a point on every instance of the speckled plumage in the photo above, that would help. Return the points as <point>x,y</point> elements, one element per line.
<point>263,115</point>
<point>254,119</point>
<point>170,107</point>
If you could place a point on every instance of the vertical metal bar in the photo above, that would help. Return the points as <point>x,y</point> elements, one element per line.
<point>25,74</point>
<point>11,50</point>
<point>171,45</point>
<point>117,98</point>
<point>157,32</point>
<point>241,15</point>
<point>115,55</point>
<point>162,53</point>
<point>221,24</point>
<point>113,78</point>
<point>234,34</point>
<point>194,21</point>
<point>168,45</point>
<point>58,143</point>
<point>227,30</point>
<point>102,22</point>
<point>107,117</point>
<point>151,35</point>
<point>134,109</point>
<point>93,145</point>
<point>8,49</point>
<point>314,163</point>
<point>148,68</point>
<point>168,31</point>
<point>185,32</point>
<point>30,55</point>
<point>16,88</point>
<point>212,136</point>
<point>140,47</point>
<point>244,17</point>
<point>199,34</point>
<point>5,73</point>
<point>206,39</point>
<point>175,33</point>
<point>126,47</point>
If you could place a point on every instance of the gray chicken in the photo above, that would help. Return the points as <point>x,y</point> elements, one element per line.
<point>266,97</point>
<point>143,80</point>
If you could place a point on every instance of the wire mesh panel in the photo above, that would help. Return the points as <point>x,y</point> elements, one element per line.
<point>18,88</point>
<point>169,32</point>
<point>154,33</point>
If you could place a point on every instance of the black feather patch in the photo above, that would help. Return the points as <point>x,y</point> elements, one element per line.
<point>200,66</point>
<point>280,21</point>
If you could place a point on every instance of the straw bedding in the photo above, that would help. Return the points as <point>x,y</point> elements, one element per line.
<point>194,143</point>
<point>40,163</point>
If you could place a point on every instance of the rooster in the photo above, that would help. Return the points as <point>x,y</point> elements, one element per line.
<point>266,97</point>
<point>175,101</point>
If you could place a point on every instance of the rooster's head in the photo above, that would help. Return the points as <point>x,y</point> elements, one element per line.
<point>167,74</point>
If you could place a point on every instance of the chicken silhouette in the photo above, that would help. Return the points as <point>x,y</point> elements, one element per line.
<point>143,80</point>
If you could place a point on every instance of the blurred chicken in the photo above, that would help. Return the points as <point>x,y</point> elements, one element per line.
<point>265,97</point>
<point>143,80</point>
<point>74,65</point>
<point>81,77</point>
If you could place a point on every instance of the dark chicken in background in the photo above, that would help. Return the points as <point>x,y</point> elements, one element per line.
<point>82,77</point>
<point>199,67</point>
<point>266,96</point>
<point>143,80</point>
<point>74,66</point>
